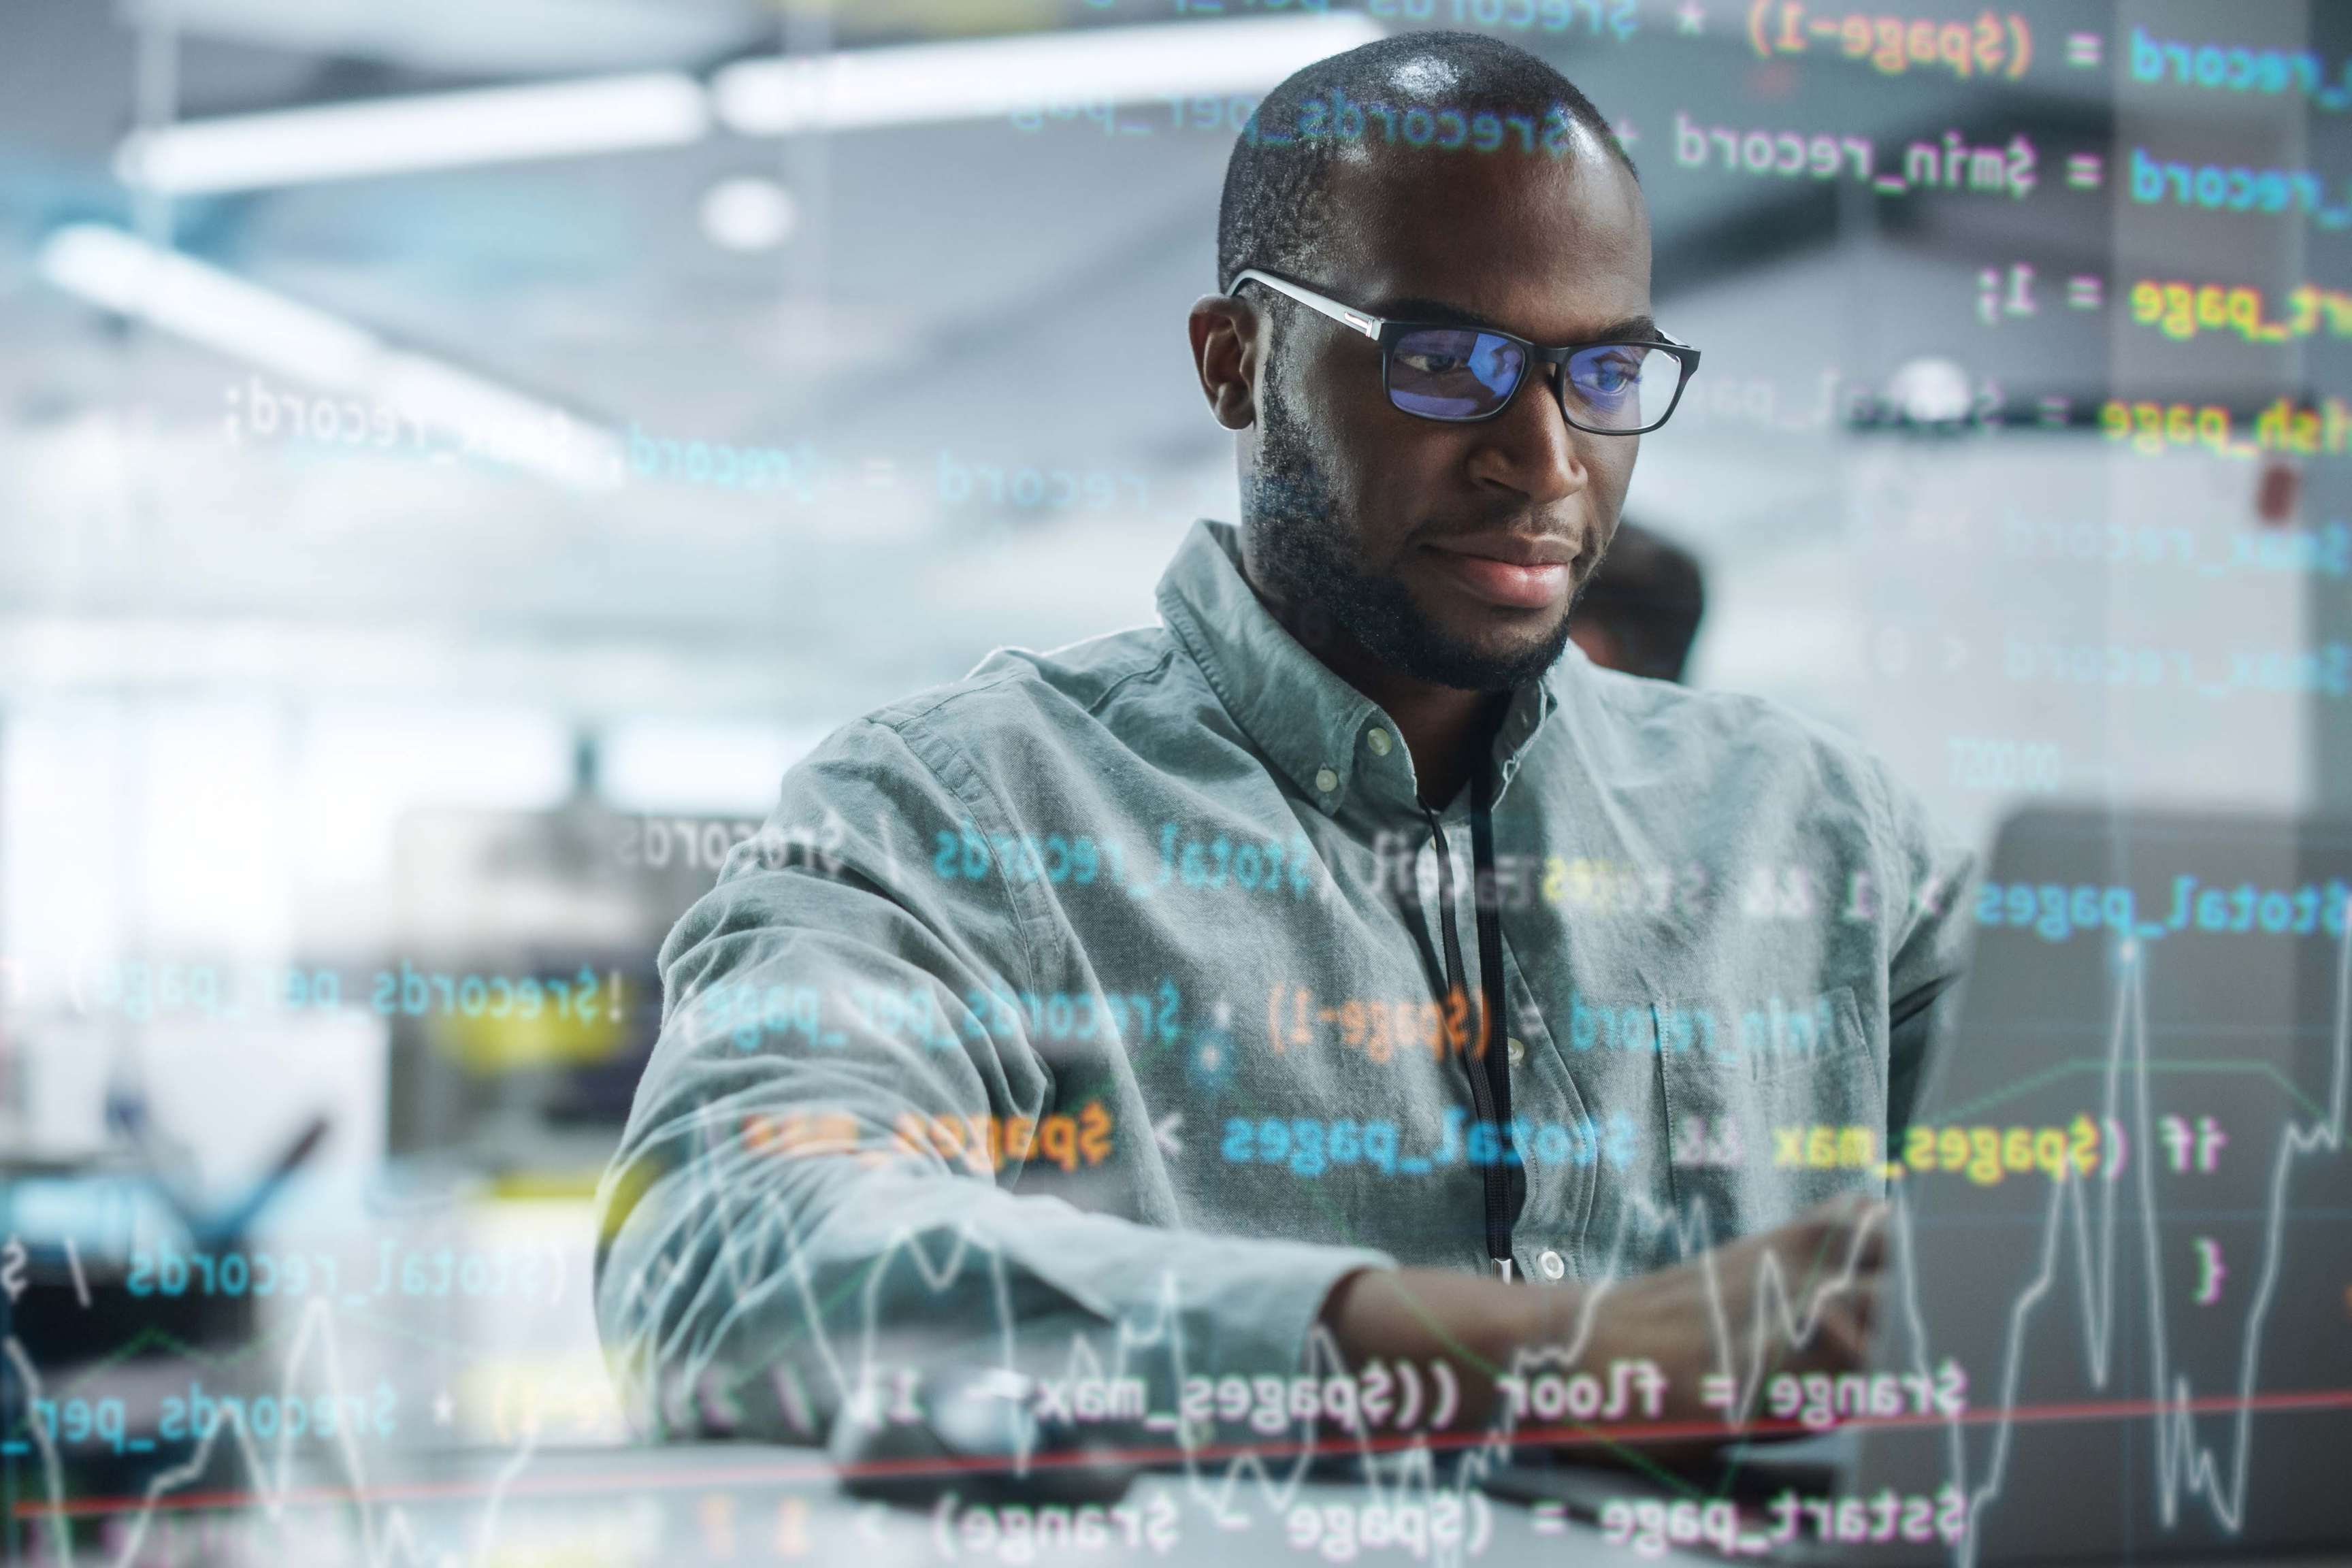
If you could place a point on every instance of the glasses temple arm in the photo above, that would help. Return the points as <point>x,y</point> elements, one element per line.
<point>1369,325</point>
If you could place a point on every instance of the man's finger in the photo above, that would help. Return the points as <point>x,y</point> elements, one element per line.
<point>1862,1303</point>
<point>1867,1232</point>
<point>1844,1342</point>
<point>1834,1345</point>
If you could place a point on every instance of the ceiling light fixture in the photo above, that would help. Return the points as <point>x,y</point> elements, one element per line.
<point>849,89</point>
<point>912,84</point>
<point>433,131</point>
<point>178,294</point>
<point>746,212</point>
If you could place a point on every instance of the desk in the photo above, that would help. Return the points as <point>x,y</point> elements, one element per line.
<point>747,1505</point>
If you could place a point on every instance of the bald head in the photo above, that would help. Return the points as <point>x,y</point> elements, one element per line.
<point>1457,99</point>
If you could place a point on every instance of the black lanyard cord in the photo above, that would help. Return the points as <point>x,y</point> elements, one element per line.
<point>1486,1055</point>
<point>1494,1016</point>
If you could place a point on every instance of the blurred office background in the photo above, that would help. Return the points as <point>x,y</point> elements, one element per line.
<point>454,454</point>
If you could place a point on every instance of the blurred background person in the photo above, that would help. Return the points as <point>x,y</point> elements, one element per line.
<point>1640,611</point>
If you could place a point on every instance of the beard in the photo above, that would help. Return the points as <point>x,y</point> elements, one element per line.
<point>1310,558</point>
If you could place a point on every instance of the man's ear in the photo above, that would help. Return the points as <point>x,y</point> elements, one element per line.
<point>1225,354</point>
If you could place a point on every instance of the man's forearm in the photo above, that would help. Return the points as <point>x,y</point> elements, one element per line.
<point>1424,1315</point>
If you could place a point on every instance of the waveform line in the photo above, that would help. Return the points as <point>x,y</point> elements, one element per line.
<point>1776,1321</point>
<point>396,1541</point>
<point>1784,1311</point>
<point>1211,1478</point>
<point>742,1231</point>
<point>2181,1464</point>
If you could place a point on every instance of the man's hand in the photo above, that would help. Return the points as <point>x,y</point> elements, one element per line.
<point>1798,1299</point>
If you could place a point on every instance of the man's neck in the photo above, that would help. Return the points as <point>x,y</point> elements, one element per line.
<point>1443,727</point>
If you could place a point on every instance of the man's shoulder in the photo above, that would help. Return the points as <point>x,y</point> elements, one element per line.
<point>1019,699</point>
<point>1634,720</point>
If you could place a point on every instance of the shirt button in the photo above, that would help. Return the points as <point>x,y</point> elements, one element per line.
<point>1379,743</point>
<point>1550,1262</point>
<point>1326,780</point>
<point>1519,1052</point>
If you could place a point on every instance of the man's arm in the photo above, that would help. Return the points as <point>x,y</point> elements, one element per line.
<point>1798,1299</point>
<point>789,1220</point>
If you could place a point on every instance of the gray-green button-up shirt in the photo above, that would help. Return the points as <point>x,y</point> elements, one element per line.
<point>1097,997</point>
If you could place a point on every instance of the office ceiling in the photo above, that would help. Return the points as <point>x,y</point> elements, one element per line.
<point>957,297</point>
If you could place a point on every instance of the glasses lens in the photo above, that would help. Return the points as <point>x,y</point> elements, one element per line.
<point>1453,373</point>
<point>1621,387</point>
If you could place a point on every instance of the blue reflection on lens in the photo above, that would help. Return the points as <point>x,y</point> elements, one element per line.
<point>1496,362</point>
<point>1453,373</point>
<point>1608,380</point>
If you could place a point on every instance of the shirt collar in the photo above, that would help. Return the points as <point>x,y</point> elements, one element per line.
<point>1329,738</point>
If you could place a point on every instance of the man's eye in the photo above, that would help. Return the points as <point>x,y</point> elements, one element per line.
<point>1611,375</point>
<point>1434,365</point>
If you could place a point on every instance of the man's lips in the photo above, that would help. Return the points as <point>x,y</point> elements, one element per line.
<point>1511,570</point>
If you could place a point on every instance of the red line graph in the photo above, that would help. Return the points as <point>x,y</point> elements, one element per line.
<point>817,1468</point>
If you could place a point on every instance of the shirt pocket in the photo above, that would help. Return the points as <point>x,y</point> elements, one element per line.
<point>1793,1114</point>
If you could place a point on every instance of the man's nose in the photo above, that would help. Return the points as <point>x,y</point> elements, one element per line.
<point>1530,447</point>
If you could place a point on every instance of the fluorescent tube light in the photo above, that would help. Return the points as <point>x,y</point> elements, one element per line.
<point>207,306</point>
<point>920,83</point>
<point>180,295</point>
<point>436,131</point>
<point>850,90</point>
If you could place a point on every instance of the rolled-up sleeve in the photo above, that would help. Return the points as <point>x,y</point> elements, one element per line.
<point>808,1193</point>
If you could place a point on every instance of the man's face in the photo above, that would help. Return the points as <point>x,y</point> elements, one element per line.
<point>1448,552</point>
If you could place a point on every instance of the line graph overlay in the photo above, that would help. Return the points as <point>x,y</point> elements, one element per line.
<point>2181,1464</point>
<point>386,1543</point>
<point>751,1253</point>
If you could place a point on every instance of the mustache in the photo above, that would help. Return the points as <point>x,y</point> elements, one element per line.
<point>1586,538</point>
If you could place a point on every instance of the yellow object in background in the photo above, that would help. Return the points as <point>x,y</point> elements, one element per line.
<point>551,1023</point>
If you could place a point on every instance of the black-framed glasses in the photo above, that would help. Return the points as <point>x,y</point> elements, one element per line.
<point>1461,374</point>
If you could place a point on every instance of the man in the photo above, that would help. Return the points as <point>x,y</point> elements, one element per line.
<point>1338,958</point>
